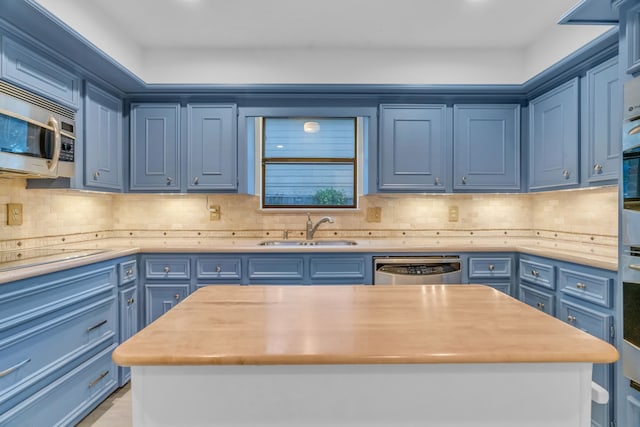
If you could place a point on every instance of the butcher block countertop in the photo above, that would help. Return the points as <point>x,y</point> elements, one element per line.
<point>281,325</point>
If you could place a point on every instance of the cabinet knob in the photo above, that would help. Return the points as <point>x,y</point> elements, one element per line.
<point>218,269</point>
<point>535,273</point>
<point>129,272</point>
<point>177,296</point>
<point>437,181</point>
<point>540,305</point>
<point>96,175</point>
<point>492,267</point>
<point>166,269</point>
<point>464,180</point>
<point>195,180</point>
<point>169,180</point>
<point>581,285</point>
<point>131,301</point>
<point>571,319</point>
<point>566,174</point>
<point>597,168</point>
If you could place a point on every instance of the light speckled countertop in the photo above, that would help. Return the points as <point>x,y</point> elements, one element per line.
<point>599,256</point>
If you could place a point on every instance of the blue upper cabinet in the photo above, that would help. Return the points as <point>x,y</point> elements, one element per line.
<point>212,147</point>
<point>155,147</point>
<point>486,147</point>
<point>412,151</point>
<point>33,72</point>
<point>633,39</point>
<point>553,138</point>
<point>103,140</point>
<point>601,123</point>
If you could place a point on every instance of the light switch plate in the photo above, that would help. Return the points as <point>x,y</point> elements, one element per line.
<point>453,214</point>
<point>14,213</point>
<point>374,214</point>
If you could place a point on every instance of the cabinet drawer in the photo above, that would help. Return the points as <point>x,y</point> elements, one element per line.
<point>538,299</point>
<point>489,267</point>
<point>538,273</point>
<point>347,268</point>
<point>504,287</point>
<point>167,268</point>
<point>591,321</point>
<point>31,71</point>
<point>68,399</point>
<point>128,271</point>
<point>285,268</point>
<point>32,353</point>
<point>595,289</point>
<point>219,268</point>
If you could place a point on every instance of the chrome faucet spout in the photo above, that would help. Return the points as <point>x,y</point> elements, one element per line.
<point>311,228</point>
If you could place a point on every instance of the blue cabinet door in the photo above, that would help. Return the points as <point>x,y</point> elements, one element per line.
<point>553,138</point>
<point>486,147</point>
<point>161,298</point>
<point>155,147</point>
<point>212,147</point>
<point>412,150</point>
<point>601,123</point>
<point>103,140</point>
<point>29,70</point>
<point>128,324</point>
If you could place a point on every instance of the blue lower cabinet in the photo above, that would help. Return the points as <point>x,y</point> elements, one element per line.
<point>160,298</point>
<point>128,299</point>
<point>504,287</point>
<point>219,269</point>
<point>55,349</point>
<point>633,411</point>
<point>279,270</point>
<point>537,298</point>
<point>68,399</point>
<point>346,270</point>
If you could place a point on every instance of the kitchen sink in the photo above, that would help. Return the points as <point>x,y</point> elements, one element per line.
<point>307,243</point>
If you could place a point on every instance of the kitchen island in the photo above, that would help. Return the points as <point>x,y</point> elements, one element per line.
<point>441,355</point>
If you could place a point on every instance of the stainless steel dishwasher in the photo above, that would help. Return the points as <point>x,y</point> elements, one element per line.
<point>416,270</point>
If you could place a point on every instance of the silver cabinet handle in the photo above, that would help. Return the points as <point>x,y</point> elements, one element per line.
<point>437,181</point>
<point>464,180</point>
<point>634,267</point>
<point>96,175</point>
<point>571,319</point>
<point>166,269</point>
<point>492,267</point>
<point>96,326</point>
<point>218,269</point>
<point>129,272</point>
<point>597,168</point>
<point>566,174</point>
<point>195,180</point>
<point>535,273</point>
<point>540,305</point>
<point>131,301</point>
<point>97,380</point>
<point>177,296</point>
<point>14,368</point>
<point>169,180</point>
<point>581,285</point>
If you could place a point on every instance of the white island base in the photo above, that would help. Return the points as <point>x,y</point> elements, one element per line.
<point>440,395</point>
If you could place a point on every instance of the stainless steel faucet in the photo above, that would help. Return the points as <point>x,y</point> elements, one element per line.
<point>311,229</point>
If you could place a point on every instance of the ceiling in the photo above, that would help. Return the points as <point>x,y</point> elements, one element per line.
<point>328,23</point>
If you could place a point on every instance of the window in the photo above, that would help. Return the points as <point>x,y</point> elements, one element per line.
<point>309,162</point>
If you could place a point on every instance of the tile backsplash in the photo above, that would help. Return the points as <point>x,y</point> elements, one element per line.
<point>54,214</point>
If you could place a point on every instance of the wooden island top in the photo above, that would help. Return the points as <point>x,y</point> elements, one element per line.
<point>295,325</point>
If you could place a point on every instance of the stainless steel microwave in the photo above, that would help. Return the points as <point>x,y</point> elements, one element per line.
<point>37,136</point>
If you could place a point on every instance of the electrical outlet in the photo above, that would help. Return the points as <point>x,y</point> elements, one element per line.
<point>374,214</point>
<point>214,212</point>
<point>14,213</point>
<point>453,214</point>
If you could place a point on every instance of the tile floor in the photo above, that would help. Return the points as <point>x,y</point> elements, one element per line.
<point>113,412</point>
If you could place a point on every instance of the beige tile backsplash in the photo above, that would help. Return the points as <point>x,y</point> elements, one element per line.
<point>51,215</point>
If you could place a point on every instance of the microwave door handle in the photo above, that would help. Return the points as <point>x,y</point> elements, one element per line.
<point>634,267</point>
<point>634,130</point>
<point>57,144</point>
